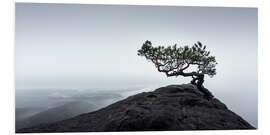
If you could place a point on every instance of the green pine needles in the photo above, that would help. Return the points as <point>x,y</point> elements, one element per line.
<point>185,61</point>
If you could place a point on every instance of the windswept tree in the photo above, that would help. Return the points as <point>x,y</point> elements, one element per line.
<point>184,61</point>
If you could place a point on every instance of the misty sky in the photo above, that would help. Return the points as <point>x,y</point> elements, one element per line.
<point>92,46</point>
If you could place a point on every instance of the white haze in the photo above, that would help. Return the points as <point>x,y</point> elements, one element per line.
<point>67,46</point>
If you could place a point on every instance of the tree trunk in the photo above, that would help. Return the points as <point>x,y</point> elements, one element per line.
<point>198,81</point>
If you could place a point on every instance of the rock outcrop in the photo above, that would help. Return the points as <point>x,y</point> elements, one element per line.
<point>173,108</point>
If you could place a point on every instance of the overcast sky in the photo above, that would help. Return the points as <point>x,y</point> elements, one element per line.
<point>86,46</point>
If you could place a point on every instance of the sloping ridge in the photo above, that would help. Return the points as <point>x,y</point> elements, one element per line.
<point>58,113</point>
<point>174,107</point>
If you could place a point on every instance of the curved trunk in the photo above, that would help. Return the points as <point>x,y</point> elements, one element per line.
<point>198,79</point>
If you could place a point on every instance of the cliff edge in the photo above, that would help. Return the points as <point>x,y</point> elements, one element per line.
<point>170,108</point>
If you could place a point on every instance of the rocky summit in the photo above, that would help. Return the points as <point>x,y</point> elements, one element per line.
<point>170,108</point>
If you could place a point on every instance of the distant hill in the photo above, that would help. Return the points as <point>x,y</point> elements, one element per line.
<point>22,113</point>
<point>174,107</point>
<point>54,114</point>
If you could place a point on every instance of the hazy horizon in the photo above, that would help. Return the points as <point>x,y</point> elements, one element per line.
<point>80,46</point>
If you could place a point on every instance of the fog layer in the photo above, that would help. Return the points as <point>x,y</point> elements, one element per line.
<point>68,46</point>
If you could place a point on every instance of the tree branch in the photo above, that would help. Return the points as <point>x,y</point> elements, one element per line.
<point>185,67</point>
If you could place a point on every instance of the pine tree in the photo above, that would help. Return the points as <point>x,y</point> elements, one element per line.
<point>184,61</point>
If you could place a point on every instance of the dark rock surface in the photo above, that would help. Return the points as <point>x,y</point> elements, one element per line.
<point>174,107</point>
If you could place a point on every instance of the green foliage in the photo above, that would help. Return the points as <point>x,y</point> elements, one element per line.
<point>174,60</point>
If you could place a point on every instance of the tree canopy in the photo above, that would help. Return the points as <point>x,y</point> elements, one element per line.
<point>194,61</point>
